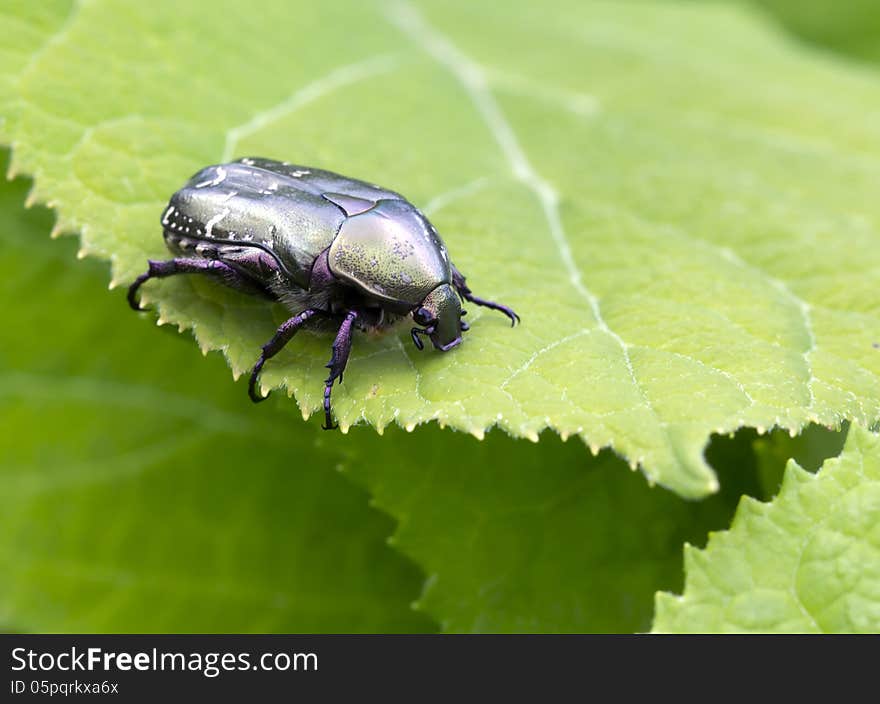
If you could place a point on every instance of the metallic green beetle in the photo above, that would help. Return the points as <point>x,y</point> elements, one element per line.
<point>324,245</point>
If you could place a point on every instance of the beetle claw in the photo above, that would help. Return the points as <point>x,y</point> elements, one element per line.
<point>415,332</point>
<point>133,289</point>
<point>256,397</point>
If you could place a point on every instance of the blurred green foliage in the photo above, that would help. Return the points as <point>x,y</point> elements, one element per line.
<point>851,27</point>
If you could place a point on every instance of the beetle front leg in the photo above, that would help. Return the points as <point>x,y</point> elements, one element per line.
<point>338,360</point>
<point>461,286</point>
<point>161,269</point>
<point>274,346</point>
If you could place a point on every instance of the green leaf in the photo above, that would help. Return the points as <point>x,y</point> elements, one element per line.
<point>140,491</point>
<point>532,538</point>
<point>686,225</point>
<point>27,27</point>
<point>808,562</point>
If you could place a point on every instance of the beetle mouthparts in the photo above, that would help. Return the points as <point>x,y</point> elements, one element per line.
<point>448,346</point>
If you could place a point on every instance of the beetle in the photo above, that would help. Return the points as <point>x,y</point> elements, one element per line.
<point>326,246</point>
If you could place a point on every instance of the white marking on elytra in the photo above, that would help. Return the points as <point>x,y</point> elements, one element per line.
<point>209,226</point>
<point>248,162</point>
<point>167,214</point>
<point>216,181</point>
<point>229,196</point>
<point>298,173</point>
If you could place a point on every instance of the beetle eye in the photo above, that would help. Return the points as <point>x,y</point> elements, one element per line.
<point>423,316</point>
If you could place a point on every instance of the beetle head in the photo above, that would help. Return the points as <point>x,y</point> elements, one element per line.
<point>440,314</point>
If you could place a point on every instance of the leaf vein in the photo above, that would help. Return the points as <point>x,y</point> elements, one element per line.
<point>473,79</point>
<point>338,78</point>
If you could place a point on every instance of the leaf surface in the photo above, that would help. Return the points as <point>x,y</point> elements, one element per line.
<point>531,538</point>
<point>807,562</point>
<point>685,223</point>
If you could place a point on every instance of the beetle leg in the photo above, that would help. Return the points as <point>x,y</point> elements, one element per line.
<point>338,360</point>
<point>274,346</point>
<point>458,281</point>
<point>159,270</point>
<point>415,332</point>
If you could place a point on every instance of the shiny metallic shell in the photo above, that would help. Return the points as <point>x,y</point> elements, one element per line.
<point>392,252</point>
<point>379,242</point>
<point>280,208</point>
